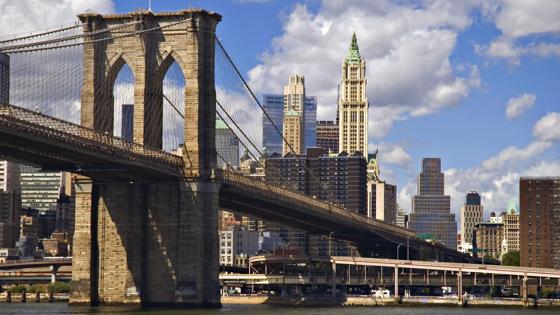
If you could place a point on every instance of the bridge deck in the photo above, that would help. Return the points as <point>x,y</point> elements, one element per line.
<point>55,144</point>
<point>59,145</point>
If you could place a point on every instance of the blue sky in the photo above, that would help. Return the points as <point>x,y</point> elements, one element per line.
<point>441,77</point>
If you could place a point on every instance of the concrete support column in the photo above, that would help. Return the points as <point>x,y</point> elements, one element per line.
<point>460,285</point>
<point>333,279</point>
<point>396,283</point>
<point>54,270</point>
<point>524,292</point>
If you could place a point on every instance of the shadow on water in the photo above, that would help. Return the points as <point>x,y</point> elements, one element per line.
<point>60,308</point>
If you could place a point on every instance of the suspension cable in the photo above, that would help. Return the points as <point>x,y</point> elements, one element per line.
<point>254,97</point>
<point>60,30</point>
<point>95,40</point>
<point>68,38</point>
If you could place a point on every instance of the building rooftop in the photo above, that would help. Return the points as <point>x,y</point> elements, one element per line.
<point>354,51</point>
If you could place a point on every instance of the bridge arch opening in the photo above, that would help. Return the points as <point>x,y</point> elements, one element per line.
<point>123,101</point>
<point>173,88</point>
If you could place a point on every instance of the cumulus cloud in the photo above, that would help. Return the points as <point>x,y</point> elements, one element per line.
<point>394,154</point>
<point>406,47</point>
<point>548,127</point>
<point>497,178</point>
<point>518,105</point>
<point>29,15</point>
<point>520,20</point>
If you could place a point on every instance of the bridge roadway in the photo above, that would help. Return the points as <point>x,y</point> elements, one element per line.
<point>275,271</point>
<point>55,144</point>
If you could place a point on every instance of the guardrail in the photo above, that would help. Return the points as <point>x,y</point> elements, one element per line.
<point>316,205</point>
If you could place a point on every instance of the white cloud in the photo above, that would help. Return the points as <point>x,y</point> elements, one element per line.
<point>29,15</point>
<point>497,178</point>
<point>514,154</point>
<point>548,127</point>
<point>406,47</point>
<point>518,105</point>
<point>394,154</point>
<point>520,19</point>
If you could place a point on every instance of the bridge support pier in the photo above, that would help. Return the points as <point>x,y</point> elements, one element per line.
<point>146,243</point>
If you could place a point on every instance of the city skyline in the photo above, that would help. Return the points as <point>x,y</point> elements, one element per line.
<point>507,80</point>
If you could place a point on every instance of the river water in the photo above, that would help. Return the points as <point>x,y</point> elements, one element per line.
<point>61,308</point>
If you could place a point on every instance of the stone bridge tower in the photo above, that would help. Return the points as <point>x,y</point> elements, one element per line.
<point>152,241</point>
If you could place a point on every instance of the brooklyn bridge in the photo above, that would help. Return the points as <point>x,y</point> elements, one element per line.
<point>146,216</point>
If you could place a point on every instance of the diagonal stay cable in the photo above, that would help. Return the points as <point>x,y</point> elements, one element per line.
<point>245,146</point>
<point>253,95</point>
<point>222,118</point>
<point>237,126</point>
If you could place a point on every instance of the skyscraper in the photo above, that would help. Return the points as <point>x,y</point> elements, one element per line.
<point>10,203</point>
<point>274,106</point>
<point>4,79</point>
<point>227,146</point>
<point>471,214</point>
<point>40,190</point>
<point>310,121</point>
<point>127,124</point>
<point>294,119</point>
<point>353,103</point>
<point>431,207</point>
<point>539,203</point>
<point>327,135</point>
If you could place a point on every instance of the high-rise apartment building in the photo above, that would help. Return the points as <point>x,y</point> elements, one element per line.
<point>353,103</point>
<point>381,196</point>
<point>4,78</point>
<point>327,135</point>
<point>127,122</point>
<point>40,190</point>
<point>431,207</point>
<point>227,146</point>
<point>10,204</point>
<point>471,214</point>
<point>274,107</point>
<point>539,204</point>
<point>338,178</point>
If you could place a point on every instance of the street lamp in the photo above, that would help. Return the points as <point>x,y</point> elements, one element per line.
<point>330,235</point>
<point>398,250</point>
<point>408,247</point>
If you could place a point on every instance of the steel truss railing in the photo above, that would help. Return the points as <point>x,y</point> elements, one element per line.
<point>116,149</point>
<point>321,208</point>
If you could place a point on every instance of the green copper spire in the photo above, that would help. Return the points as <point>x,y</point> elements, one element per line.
<point>354,52</point>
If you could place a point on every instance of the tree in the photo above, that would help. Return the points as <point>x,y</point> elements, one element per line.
<point>59,287</point>
<point>17,289</point>
<point>511,258</point>
<point>36,288</point>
